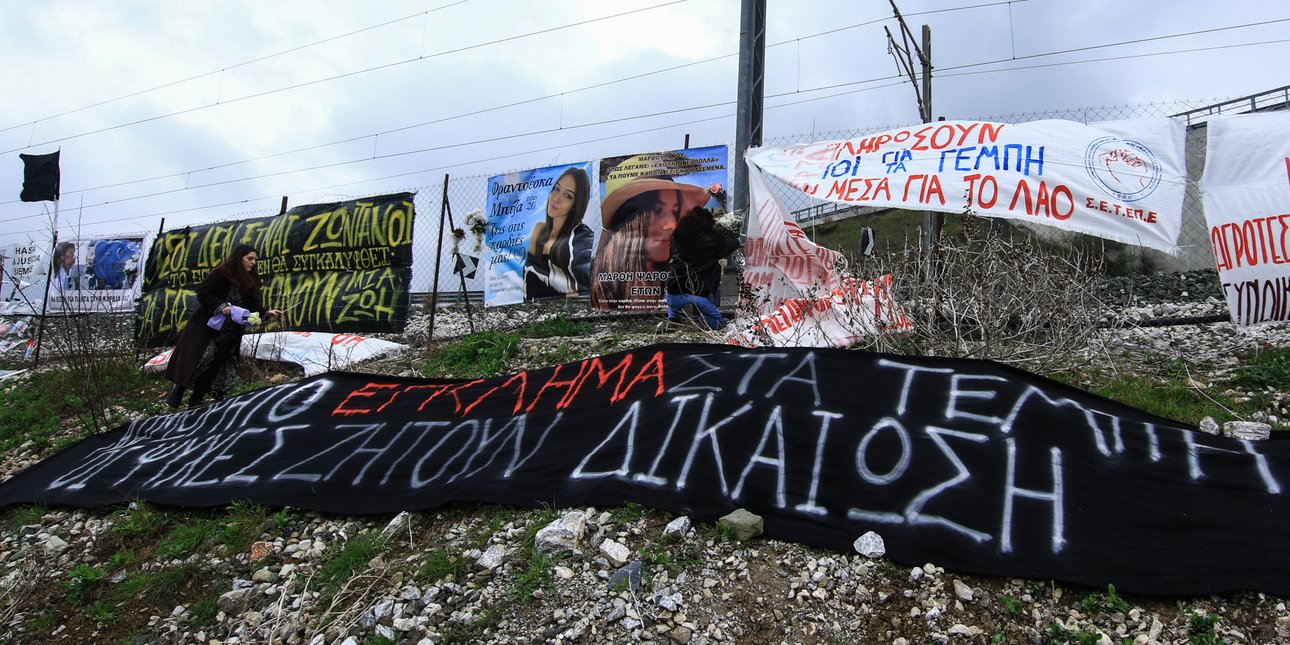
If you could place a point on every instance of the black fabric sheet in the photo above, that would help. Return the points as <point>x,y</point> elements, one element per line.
<point>40,177</point>
<point>970,465</point>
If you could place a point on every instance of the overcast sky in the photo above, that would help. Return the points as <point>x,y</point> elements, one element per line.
<point>206,110</point>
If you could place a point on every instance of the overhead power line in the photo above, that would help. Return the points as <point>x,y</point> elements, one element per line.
<point>230,67</point>
<point>496,107</point>
<point>678,110</point>
<point>897,80</point>
<point>339,76</point>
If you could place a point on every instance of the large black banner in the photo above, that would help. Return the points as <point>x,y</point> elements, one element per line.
<point>970,465</point>
<point>337,267</point>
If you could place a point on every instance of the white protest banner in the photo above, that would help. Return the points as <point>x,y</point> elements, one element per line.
<point>801,290</point>
<point>24,267</point>
<point>1120,180</point>
<point>1246,188</point>
<point>315,352</point>
<point>841,318</point>
<point>780,262</point>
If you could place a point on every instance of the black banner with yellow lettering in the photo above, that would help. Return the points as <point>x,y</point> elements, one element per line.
<point>337,267</point>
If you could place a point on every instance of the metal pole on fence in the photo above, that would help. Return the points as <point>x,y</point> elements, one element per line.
<point>434,288</point>
<point>458,265</point>
<point>44,302</point>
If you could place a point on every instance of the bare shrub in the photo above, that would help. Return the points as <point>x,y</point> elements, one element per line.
<point>99,353</point>
<point>994,291</point>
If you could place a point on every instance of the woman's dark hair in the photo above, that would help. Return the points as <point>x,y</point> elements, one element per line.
<point>247,281</point>
<point>696,224</point>
<point>581,195</point>
<point>60,252</point>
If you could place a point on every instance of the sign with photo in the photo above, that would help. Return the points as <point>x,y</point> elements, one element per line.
<point>538,238</point>
<point>644,196</point>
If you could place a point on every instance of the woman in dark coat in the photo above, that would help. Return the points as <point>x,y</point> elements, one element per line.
<point>696,253</point>
<point>209,349</point>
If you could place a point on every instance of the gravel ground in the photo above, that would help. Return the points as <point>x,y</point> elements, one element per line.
<point>467,574</point>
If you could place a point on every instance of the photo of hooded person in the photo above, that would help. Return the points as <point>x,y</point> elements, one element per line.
<point>641,208</point>
<point>558,261</point>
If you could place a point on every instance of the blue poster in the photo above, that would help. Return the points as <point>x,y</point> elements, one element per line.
<point>539,242</point>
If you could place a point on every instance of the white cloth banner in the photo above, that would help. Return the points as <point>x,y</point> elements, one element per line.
<point>802,292</point>
<point>1246,188</point>
<point>841,318</point>
<point>316,352</point>
<point>1120,180</point>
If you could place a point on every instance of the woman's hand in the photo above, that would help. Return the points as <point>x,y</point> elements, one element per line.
<point>274,313</point>
<point>227,310</point>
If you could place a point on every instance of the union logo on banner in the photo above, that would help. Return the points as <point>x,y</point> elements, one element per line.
<point>1124,168</point>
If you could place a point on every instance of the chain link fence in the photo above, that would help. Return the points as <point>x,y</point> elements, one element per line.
<point>436,249</point>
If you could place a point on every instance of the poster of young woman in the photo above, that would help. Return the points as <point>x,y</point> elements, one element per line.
<point>645,195</point>
<point>539,242</point>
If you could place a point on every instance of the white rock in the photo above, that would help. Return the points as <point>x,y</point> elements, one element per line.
<point>563,534</point>
<point>870,545</point>
<point>616,553</point>
<point>398,525</point>
<point>1209,426</point>
<point>493,557</point>
<point>670,602</point>
<point>678,527</point>
<point>55,544</point>
<point>962,590</point>
<point>1248,430</point>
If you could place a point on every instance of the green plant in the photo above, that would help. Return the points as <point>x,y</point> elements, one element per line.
<point>245,521</point>
<point>140,520</point>
<point>630,513</point>
<point>102,611</point>
<point>556,326</point>
<point>469,632</point>
<point>1169,397</point>
<point>158,585</point>
<point>282,519</point>
<point>81,580</point>
<point>481,354</point>
<point>1269,368</point>
<point>26,415</point>
<point>25,516</point>
<point>121,559</point>
<point>203,610</point>
<point>341,564</point>
<point>537,574</point>
<point>1200,629</point>
<point>717,532</point>
<point>1011,606</point>
<point>187,538</point>
<point>439,564</point>
<point>1056,633</point>
<point>1110,602</point>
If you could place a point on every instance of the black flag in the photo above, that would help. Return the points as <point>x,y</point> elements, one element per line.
<point>39,177</point>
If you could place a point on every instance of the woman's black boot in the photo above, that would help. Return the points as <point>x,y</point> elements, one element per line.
<point>176,396</point>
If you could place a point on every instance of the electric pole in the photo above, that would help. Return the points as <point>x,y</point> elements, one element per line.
<point>904,54</point>
<point>748,121</point>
